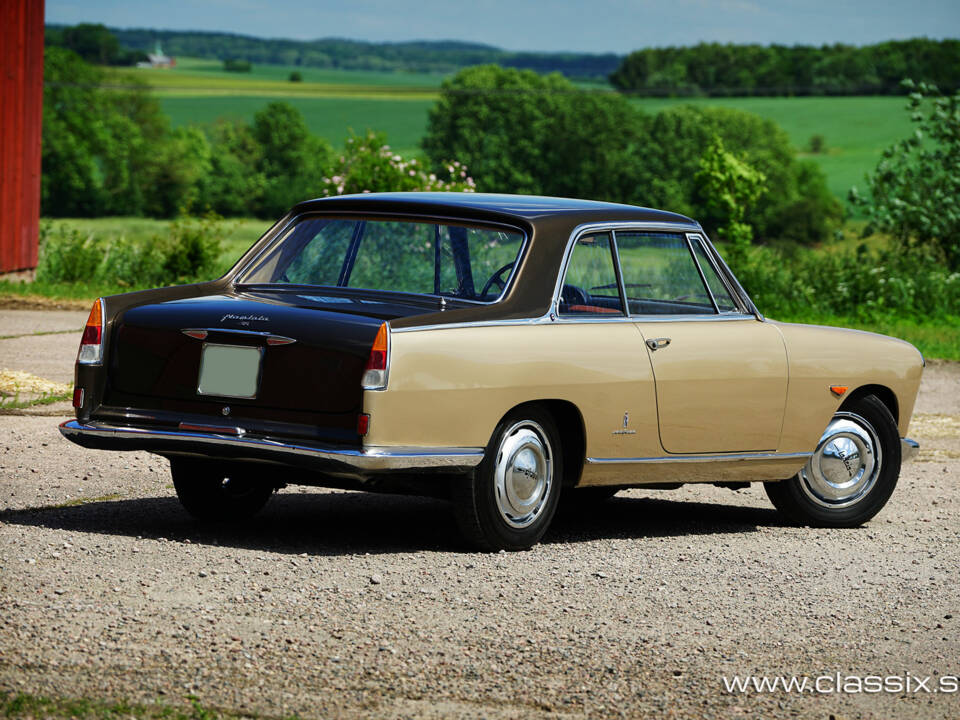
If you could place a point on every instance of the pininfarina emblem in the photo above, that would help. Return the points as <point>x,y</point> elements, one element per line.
<point>625,430</point>
<point>244,318</point>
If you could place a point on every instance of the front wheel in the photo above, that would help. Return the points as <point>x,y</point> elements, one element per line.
<point>212,495</point>
<point>851,474</point>
<point>508,503</point>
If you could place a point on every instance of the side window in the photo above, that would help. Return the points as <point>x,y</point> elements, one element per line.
<point>660,275</point>
<point>590,286</point>
<point>720,294</point>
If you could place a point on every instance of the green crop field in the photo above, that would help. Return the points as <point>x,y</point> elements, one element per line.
<point>403,120</point>
<point>855,129</point>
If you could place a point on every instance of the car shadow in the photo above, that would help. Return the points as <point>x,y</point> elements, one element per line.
<point>345,523</point>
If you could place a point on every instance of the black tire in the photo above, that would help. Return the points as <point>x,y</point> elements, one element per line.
<point>211,495</point>
<point>514,511</point>
<point>802,499</point>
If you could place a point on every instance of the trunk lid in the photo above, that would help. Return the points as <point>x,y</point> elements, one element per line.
<point>313,380</point>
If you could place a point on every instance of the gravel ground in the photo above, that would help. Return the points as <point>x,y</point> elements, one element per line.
<point>335,604</point>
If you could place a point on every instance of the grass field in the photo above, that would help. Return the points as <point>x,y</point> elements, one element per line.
<point>856,129</point>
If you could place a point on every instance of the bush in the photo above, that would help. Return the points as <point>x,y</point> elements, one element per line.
<point>188,253</point>
<point>862,284</point>
<point>296,76</point>
<point>369,165</point>
<point>915,188</point>
<point>236,65</point>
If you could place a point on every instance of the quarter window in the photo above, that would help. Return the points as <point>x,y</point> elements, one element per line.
<point>590,286</point>
<point>720,293</point>
<point>660,275</point>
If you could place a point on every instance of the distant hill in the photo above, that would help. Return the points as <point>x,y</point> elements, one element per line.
<point>419,56</point>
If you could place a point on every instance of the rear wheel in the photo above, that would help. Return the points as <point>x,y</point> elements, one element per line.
<point>851,474</point>
<point>508,503</point>
<point>210,494</point>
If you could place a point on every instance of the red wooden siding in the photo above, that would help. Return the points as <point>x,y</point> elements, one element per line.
<point>21,118</point>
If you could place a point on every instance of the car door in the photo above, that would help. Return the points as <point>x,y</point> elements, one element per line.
<point>615,393</point>
<point>720,373</point>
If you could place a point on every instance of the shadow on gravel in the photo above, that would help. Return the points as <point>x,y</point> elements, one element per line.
<point>343,523</point>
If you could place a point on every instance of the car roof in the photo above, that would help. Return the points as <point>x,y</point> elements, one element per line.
<point>526,207</point>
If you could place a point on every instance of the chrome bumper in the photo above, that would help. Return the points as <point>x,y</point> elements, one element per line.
<point>347,462</point>
<point>908,449</point>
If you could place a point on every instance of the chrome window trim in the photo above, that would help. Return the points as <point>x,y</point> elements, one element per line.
<point>703,277</point>
<point>579,320</point>
<point>521,253</point>
<point>731,279</point>
<point>709,458</point>
<point>734,295</point>
<point>611,226</point>
<point>615,258</point>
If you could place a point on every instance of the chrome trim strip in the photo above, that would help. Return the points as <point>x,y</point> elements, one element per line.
<point>270,337</point>
<point>908,449</point>
<point>718,457</point>
<point>368,459</point>
<point>579,320</point>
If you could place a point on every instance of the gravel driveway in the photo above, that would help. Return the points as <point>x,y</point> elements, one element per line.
<point>335,604</point>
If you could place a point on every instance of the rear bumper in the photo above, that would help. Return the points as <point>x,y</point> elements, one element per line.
<point>343,462</point>
<point>908,449</point>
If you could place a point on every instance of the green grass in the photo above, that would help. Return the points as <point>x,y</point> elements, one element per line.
<point>241,232</point>
<point>15,403</point>
<point>403,120</point>
<point>25,705</point>
<point>856,129</point>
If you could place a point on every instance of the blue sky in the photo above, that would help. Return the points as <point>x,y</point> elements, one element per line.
<point>549,25</point>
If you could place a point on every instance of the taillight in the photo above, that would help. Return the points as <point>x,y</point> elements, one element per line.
<point>91,344</point>
<point>378,364</point>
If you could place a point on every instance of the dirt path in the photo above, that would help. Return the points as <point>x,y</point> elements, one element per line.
<point>335,604</point>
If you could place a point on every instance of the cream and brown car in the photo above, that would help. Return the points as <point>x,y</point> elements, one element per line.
<point>494,350</point>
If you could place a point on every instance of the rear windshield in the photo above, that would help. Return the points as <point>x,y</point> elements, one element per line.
<point>460,261</point>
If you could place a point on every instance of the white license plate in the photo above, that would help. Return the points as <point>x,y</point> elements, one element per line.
<point>229,370</point>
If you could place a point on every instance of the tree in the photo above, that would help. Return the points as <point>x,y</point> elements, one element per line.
<point>294,163</point>
<point>915,189</point>
<point>730,188</point>
<point>521,132</point>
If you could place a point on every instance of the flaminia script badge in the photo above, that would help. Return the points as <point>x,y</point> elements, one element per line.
<point>625,430</point>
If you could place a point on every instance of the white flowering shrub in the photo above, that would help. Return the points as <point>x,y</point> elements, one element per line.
<point>369,165</point>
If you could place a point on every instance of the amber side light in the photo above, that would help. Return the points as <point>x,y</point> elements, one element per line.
<point>838,390</point>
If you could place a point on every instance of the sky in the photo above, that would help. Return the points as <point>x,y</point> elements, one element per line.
<point>599,26</point>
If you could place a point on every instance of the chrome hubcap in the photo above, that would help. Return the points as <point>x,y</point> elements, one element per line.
<point>845,465</point>
<point>523,474</point>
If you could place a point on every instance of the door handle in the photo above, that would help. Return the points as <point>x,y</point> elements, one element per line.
<point>657,343</point>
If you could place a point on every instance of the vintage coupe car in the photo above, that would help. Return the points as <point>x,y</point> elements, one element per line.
<point>494,350</point>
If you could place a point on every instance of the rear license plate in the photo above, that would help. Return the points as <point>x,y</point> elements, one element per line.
<point>229,371</point>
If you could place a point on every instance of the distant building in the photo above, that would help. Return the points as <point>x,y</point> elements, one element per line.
<point>157,59</point>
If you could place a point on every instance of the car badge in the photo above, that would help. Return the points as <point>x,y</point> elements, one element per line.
<point>625,430</point>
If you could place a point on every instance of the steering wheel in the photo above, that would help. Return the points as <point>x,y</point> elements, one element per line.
<point>572,295</point>
<point>495,279</point>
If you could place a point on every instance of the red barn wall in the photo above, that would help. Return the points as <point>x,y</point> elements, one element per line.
<point>21,118</point>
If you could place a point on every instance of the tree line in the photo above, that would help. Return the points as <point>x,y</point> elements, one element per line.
<point>718,70</point>
<point>443,56</point>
